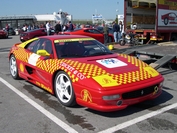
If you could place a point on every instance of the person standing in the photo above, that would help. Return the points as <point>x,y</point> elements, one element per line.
<point>7,27</point>
<point>121,30</point>
<point>48,27</point>
<point>106,34</point>
<point>58,28</point>
<point>116,30</point>
<point>70,26</point>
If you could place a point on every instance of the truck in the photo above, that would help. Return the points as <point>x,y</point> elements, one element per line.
<point>152,20</point>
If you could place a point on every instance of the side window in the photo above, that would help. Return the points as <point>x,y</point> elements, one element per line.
<point>32,46</point>
<point>45,44</point>
<point>96,32</point>
<point>48,46</point>
<point>40,45</point>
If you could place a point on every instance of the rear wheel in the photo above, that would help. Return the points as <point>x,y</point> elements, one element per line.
<point>63,89</point>
<point>13,67</point>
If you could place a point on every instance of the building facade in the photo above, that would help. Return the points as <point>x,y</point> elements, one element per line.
<point>18,21</point>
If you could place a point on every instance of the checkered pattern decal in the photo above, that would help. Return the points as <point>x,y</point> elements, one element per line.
<point>78,71</point>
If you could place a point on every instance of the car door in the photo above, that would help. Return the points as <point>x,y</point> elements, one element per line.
<point>95,34</point>
<point>43,32</point>
<point>36,64</point>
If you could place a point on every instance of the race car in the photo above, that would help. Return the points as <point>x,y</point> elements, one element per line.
<point>81,70</point>
<point>92,32</point>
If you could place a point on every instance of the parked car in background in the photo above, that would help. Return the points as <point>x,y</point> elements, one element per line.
<point>24,36</point>
<point>91,32</point>
<point>3,34</point>
<point>100,28</point>
<point>11,31</point>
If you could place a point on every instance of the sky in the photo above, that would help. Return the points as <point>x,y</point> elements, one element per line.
<point>79,9</point>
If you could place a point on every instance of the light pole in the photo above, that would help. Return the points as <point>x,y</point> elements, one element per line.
<point>117,10</point>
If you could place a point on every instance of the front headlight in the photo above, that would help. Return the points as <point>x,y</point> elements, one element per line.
<point>112,97</point>
<point>160,85</point>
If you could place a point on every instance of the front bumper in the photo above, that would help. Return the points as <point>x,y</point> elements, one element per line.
<point>129,94</point>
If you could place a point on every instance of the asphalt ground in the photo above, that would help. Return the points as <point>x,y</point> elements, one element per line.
<point>26,108</point>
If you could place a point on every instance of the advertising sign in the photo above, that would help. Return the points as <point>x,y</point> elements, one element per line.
<point>167,13</point>
<point>97,16</point>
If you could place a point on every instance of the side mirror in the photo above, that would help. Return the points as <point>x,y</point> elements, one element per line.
<point>43,52</point>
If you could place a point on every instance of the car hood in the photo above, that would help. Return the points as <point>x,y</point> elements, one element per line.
<point>111,70</point>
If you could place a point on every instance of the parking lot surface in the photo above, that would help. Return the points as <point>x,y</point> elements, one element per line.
<point>27,108</point>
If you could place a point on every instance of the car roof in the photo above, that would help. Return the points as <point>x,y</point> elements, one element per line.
<point>56,37</point>
<point>36,30</point>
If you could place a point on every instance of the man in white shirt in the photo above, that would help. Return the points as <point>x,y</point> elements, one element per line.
<point>48,27</point>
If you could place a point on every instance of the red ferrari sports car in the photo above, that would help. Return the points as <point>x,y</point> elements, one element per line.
<point>91,32</point>
<point>24,36</point>
<point>3,34</point>
<point>81,70</point>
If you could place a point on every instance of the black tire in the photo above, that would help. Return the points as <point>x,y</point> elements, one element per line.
<point>165,21</point>
<point>122,42</point>
<point>13,67</point>
<point>64,90</point>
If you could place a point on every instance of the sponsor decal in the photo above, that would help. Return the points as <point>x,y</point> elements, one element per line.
<point>86,96</point>
<point>44,87</point>
<point>33,59</point>
<point>105,81</point>
<point>111,63</point>
<point>73,70</point>
<point>73,40</point>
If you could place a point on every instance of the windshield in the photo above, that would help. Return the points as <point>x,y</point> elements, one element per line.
<point>83,48</point>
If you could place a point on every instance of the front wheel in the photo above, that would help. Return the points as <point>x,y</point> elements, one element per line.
<point>13,67</point>
<point>122,42</point>
<point>63,89</point>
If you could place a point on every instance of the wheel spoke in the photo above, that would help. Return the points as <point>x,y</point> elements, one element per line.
<point>67,95</point>
<point>58,86</point>
<point>67,84</point>
<point>13,62</point>
<point>61,80</point>
<point>62,94</point>
<point>14,71</point>
<point>13,67</point>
